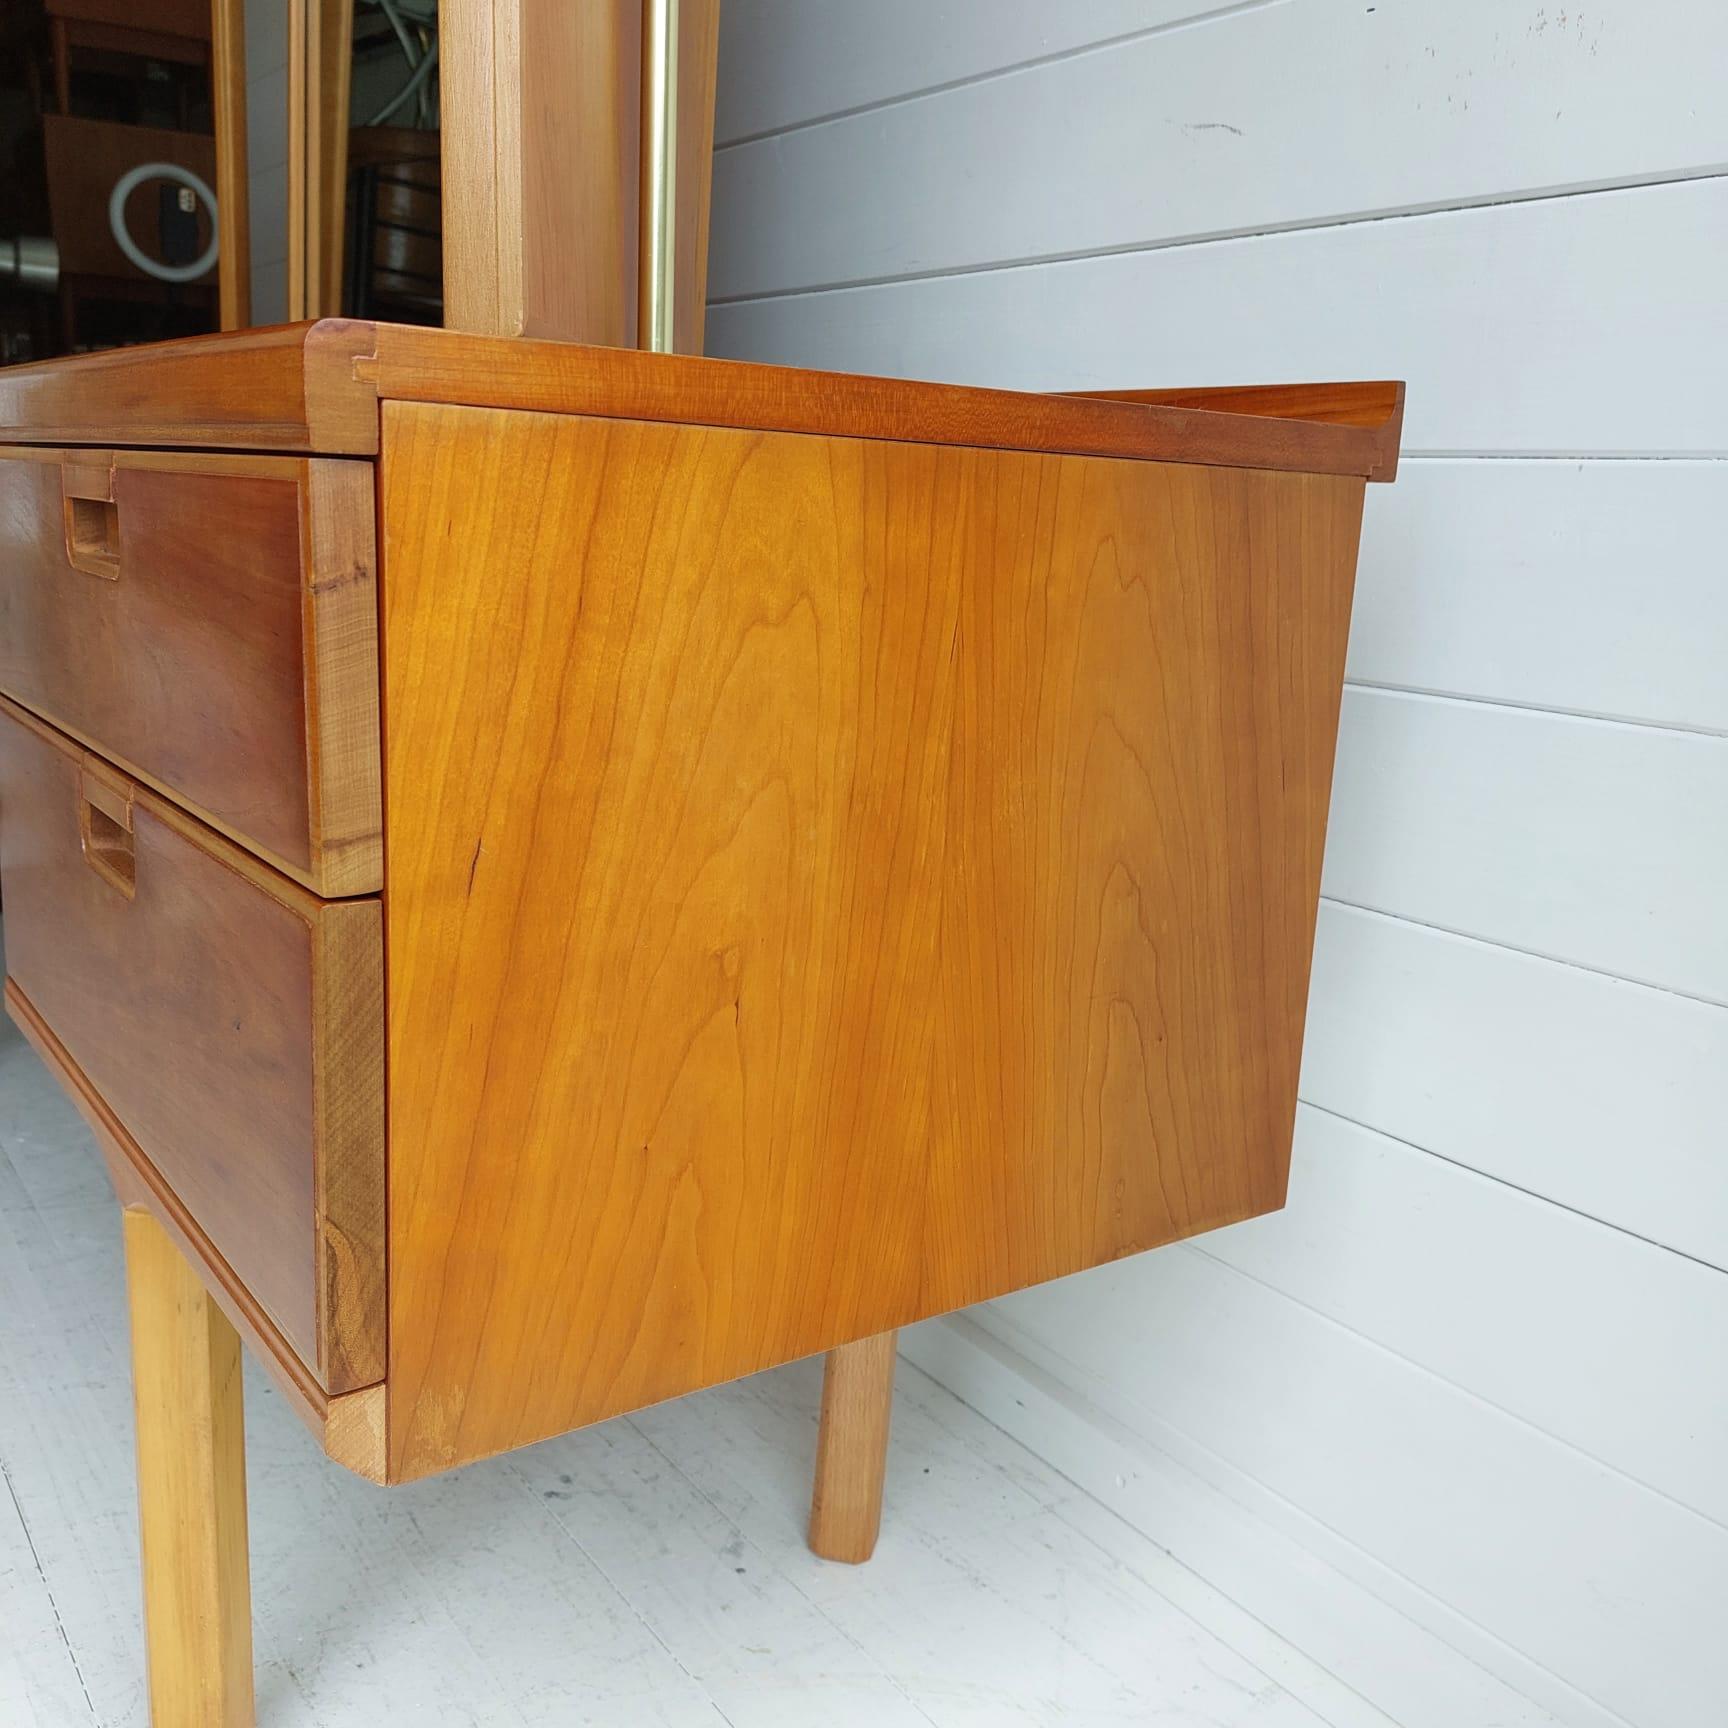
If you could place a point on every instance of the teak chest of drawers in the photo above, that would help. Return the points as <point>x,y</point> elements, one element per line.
<point>562,876</point>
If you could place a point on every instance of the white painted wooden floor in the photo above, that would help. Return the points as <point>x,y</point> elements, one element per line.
<point>648,1572</point>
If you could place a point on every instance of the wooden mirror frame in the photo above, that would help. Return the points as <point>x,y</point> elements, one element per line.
<point>542,151</point>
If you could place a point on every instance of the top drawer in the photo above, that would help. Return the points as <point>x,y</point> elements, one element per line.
<point>210,623</point>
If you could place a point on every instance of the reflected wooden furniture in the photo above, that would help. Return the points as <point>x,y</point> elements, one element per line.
<point>163,47</point>
<point>562,876</point>
<point>83,159</point>
<point>170,30</point>
<point>393,260</point>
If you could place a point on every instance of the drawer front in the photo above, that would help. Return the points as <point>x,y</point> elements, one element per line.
<point>209,622</point>
<point>230,1020</point>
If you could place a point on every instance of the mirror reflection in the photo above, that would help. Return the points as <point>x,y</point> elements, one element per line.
<point>206,164</point>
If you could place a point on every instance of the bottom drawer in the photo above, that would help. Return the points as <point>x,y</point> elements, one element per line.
<point>231,1021</point>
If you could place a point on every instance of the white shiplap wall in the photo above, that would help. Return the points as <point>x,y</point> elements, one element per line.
<point>1479,1367</point>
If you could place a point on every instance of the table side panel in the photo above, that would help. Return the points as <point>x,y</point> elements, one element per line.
<point>828,882</point>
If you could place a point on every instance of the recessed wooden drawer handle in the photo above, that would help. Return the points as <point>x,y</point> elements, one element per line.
<point>92,518</point>
<point>105,827</point>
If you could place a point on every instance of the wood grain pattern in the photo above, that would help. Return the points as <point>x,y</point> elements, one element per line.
<point>348,1172</point>
<point>829,882</point>
<point>480,129</point>
<point>348,1426</point>
<point>316,387</point>
<point>231,660</point>
<point>579,82</point>
<point>339,552</point>
<point>413,365</point>
<point>1146,728</point>
<point>329,71</point>
<point>233,182</point>
<point>1376,405</point>
<point>542,112</point>
<point>191,1489</point>
<point>540,115</point>
<point>852,1449</point>
<point>220,1012</point>
<point>286,387</point>
<point>300,58</point>
<point>354,1432</point>
<point>698,78</point>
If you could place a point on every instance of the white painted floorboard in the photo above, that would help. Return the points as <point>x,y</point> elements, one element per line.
<point>650,1572</point>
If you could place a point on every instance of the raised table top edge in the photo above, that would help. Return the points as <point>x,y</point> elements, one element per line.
<point>315,388</point>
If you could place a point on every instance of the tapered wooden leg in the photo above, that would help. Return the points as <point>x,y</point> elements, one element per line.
<point>191,1489</point>
<point>852,1449</point>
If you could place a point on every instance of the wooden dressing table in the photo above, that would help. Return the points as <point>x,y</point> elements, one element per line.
<point>560,876</point>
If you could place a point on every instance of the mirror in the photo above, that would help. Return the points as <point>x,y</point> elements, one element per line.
<point>197,165</point>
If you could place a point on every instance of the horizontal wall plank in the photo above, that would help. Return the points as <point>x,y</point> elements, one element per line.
<point>1595,587</point>
<point>1587,1572</point>
<point>1292,114</point>
<point>1325,1596</point>
<point>787,62</point>
<point>1585,1332</point>
<point>1606,1097</point>
<point>1571,325</point>
<point>1581,840</point>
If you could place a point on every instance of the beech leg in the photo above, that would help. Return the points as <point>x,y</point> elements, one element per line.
<point>191,1489</point>
<point>852,1449</point>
